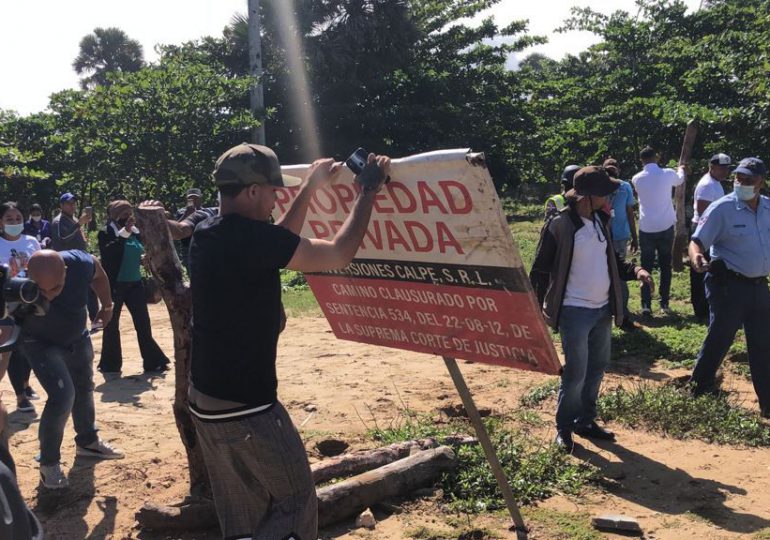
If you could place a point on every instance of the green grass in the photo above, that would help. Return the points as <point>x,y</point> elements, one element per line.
<point>675,412</point>
<point>534,470</point>
<point>300,303</point>
<point>562,525</point>
<point>541,392</point>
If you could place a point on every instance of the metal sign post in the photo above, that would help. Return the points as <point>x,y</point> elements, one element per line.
<point>486,444</point>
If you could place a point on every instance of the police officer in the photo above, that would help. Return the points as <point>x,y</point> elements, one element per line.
<point>735,231</point>
<point>554,204</point>
<point>708,190</point>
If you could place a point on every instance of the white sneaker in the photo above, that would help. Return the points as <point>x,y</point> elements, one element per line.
<point>100,450</point>
<point>52,477</point>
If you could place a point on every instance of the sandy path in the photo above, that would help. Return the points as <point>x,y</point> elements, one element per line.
<point>676,489</point>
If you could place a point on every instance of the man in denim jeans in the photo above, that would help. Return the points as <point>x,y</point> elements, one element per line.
<point>576,275</point>
<point>656,222</point>
<point>61,355</point>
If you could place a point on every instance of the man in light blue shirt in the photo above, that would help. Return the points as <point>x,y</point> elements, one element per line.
<point>623,227</point>
<point>736,231</point>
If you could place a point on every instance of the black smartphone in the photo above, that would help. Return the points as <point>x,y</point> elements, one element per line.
<point>357,161</point>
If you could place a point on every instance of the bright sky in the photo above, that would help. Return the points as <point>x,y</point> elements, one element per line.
<point>39,39</point>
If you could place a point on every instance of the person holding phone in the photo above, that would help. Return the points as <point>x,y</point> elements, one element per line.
<point>193,212</point>
<point>15,250</point>
<point>235,260</point>
<point>121,251</point>
<point>66,231</point>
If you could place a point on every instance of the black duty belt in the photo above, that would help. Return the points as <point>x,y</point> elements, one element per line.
<point>741,277</point>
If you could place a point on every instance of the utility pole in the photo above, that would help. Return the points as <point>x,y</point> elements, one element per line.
<point>255,70</point>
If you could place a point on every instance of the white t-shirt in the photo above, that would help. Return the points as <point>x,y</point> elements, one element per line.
<point>588,284</point>
<point>16,254</point>
<point>708,189</point>
<point>653,186</point>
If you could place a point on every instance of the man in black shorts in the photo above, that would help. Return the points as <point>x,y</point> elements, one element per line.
<point>257,463</point>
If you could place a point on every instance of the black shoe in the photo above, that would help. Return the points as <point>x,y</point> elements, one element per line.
<point>157,370</point>
<point>564,441</point>
<point>595,431</point>
<point>628,325</point>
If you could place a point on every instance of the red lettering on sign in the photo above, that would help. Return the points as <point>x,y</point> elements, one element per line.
<point>402,197</point>
<point>429,198</point>
<point>420,236</point>
<point>345,194</point>
<point>447,186</point>
<point>446,239</point>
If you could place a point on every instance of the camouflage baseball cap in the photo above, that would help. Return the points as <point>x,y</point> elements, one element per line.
<point>248,164</point>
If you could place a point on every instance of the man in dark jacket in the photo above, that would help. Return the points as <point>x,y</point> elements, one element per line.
<point>576,275</point>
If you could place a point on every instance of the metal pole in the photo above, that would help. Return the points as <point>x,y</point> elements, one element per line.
<point>257,101</point>
<point>486,444</point>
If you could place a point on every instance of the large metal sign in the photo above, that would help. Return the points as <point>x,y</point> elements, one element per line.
<point>437,271</point>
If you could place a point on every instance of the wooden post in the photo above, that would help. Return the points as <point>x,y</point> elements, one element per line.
<point>486,444</point>
<point>166,268</point>
<point>257,97</point>
<point>680,231</point>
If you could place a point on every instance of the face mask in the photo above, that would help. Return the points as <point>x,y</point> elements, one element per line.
<point>37,218</point>
<point>743,193</point>
<point>13,230</point>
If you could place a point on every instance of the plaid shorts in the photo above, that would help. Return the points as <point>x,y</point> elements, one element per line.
<point>260,476</point>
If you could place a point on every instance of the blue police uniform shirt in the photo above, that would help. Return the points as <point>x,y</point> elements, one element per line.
<point>737,235</point>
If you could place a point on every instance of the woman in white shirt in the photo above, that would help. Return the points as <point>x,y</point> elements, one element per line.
<point>15,250</point>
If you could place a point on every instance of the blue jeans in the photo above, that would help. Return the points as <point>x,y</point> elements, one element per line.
<point>585,339</point>
<point>621,248</point>
<point>66,374</point>
<point>734,303</point>
<point>662,244</point>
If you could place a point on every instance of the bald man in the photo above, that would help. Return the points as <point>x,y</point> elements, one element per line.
<point>61,355</point>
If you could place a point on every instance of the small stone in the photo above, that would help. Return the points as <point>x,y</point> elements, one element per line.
<point>366,519</point>
<point>614,522</point>
<point>310,408</point>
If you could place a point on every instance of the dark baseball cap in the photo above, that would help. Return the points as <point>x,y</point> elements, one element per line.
<point>720,159</point>
<point>751,166</point>
<point>248,164</point>
<point>569,172</point>
<point>194,192</point>
<point>67,197</point>
<point>593,181</point>
<point>612,163</point>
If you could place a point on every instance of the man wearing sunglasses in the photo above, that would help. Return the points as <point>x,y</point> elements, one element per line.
<point>735,231</point>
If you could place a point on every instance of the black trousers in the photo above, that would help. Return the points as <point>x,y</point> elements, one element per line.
<point>18,371</point>
<point>132,295</point>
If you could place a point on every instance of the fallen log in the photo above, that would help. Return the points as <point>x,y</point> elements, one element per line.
<point>190,515</point>
<point>350,497</point>
<point>354,463</point>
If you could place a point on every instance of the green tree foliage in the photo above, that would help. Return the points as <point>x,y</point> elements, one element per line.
<point>651,72</point>
<point>106,50</point>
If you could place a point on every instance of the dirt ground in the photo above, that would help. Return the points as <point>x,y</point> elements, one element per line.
<point>676,489</point>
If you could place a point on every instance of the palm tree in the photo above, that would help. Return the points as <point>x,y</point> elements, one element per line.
<point>104,51</point>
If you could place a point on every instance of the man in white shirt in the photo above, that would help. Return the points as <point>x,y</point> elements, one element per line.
<point>708,190</point>
<point>656,222</point>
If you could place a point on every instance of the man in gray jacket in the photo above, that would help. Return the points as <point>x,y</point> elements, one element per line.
<point>576,275</point>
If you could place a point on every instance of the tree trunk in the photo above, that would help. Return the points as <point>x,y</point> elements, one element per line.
<point>349,497</point>
<point>355,463</point>
<point>680,233</point>
<point>167,270</point>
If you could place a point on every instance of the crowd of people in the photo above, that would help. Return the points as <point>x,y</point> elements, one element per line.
<point>581,266</point>
<point>257,464</point>
<point>260,476</point>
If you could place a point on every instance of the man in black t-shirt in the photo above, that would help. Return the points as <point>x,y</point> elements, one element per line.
<point>256,461</point>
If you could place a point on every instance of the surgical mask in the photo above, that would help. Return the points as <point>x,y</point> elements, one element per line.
<point>13,230</point>
<point>37,218</point>
<point>744,193</point>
